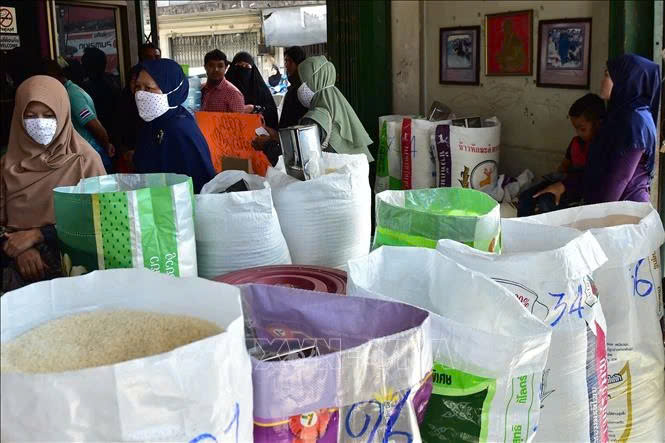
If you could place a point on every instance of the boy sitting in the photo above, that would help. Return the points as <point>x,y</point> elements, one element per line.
<point>586,116</point>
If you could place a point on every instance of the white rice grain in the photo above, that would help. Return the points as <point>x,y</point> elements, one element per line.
<point>100,338</point>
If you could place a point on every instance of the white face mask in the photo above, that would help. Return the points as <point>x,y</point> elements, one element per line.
<point>42,130</point>
<point>151,105</point>
<point>305,95</point>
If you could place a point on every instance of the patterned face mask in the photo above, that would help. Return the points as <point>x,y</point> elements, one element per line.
<point>305,95</point>
<point>151,105</point>
<point>41,130</point>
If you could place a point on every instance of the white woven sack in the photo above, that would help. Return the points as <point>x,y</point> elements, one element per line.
<point>549,270</point>
<point>489,352</point>
<point>417,156</point>
<point>238,230</point>
<point>467,157</point>
<point>198,392</point>
<point>393,154</point>
<point>327,220</point>
<point>630,287</point>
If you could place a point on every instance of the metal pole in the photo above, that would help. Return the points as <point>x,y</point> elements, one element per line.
<point>138,14</point>
<point>152,5</point>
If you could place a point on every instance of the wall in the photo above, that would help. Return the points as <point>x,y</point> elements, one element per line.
<point>405,39</point>
<point>536,130</point>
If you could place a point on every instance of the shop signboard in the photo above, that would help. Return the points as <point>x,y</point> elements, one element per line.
<point>105,39</point>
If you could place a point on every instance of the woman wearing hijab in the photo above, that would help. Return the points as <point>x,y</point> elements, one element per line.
<point>170,141</point>
<point>245,76</point>
<point>44,152</point>
<point>292,109</point>
<point>622,155</point>
<point>340,128</point>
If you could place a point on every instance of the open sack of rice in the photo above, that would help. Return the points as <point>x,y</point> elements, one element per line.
<point>237,230</point>
<point>124,355</point>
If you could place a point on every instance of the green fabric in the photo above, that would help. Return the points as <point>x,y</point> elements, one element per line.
<point>423,217</point>
<point>331,110</point>
<point>83,112</point>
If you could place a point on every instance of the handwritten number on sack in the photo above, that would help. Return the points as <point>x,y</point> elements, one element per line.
<point>209,437</point>
<point>578,303</point>
<point>389,426</point>
<point>637,282</point>
<point>559,304</point>
<point>236,419</point>
<point>367,421</point>
<point>393,419</point>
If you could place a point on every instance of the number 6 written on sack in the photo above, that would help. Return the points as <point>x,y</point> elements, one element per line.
<point>637,282</point>
<point>211,438</point>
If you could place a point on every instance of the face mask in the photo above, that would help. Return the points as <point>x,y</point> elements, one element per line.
<point>151,105</point>
<point>305,95</point>
<point>41,130</point>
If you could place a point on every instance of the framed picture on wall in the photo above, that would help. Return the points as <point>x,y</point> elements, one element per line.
<point>459,55</point>
<point>509,43</point>
<point>564,53</point>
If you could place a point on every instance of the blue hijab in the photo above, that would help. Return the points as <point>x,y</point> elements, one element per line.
<point>173,143</point>
<point>631,115</point>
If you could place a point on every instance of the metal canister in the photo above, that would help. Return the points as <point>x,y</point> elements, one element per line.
<point>300,144</point>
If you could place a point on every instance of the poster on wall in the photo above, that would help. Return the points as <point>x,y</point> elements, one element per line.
<point>509,43</point>
<point>105,39</point>
<point>459,55</point>
<point>564,53</point>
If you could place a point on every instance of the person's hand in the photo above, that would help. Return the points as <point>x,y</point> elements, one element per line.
<point>273,134</point>
<point>20,241</point>
<point>110,150</point>
<point>557,189</point>
<point>31,266</point>
<point>259,142</point>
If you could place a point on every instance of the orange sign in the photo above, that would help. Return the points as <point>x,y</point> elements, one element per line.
<point>231,135</point>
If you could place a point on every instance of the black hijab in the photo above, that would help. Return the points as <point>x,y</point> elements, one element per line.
<point>253,87</point>
<point>292,109</point>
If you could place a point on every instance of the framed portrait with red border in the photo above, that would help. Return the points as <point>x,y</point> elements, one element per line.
<point>509,43</point>
<point>564,53</point>
<point>459,55</point>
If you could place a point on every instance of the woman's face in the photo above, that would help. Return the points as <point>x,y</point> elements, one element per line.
<point>145,82</point>
<point>606,86</point>
<point>244,65</point>
<point>38,110</point>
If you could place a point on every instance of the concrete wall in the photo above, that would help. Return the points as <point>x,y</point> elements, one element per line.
<point>406,35</point>
<point>536,130</point>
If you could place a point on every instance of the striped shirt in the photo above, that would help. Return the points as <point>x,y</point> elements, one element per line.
<point>224,97</point>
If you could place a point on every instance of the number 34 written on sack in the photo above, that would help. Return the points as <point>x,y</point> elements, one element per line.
<point>207,438</point>
<point>562,306</point>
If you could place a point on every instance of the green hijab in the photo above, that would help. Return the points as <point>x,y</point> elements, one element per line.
<point>331,110</point>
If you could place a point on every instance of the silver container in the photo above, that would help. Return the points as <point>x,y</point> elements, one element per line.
<point>300,145</point>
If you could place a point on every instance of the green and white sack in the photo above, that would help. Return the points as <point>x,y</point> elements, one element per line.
<point>128,221</point>
<point>424,216</point>
<point>489,351</point>
<point>389,158</point>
